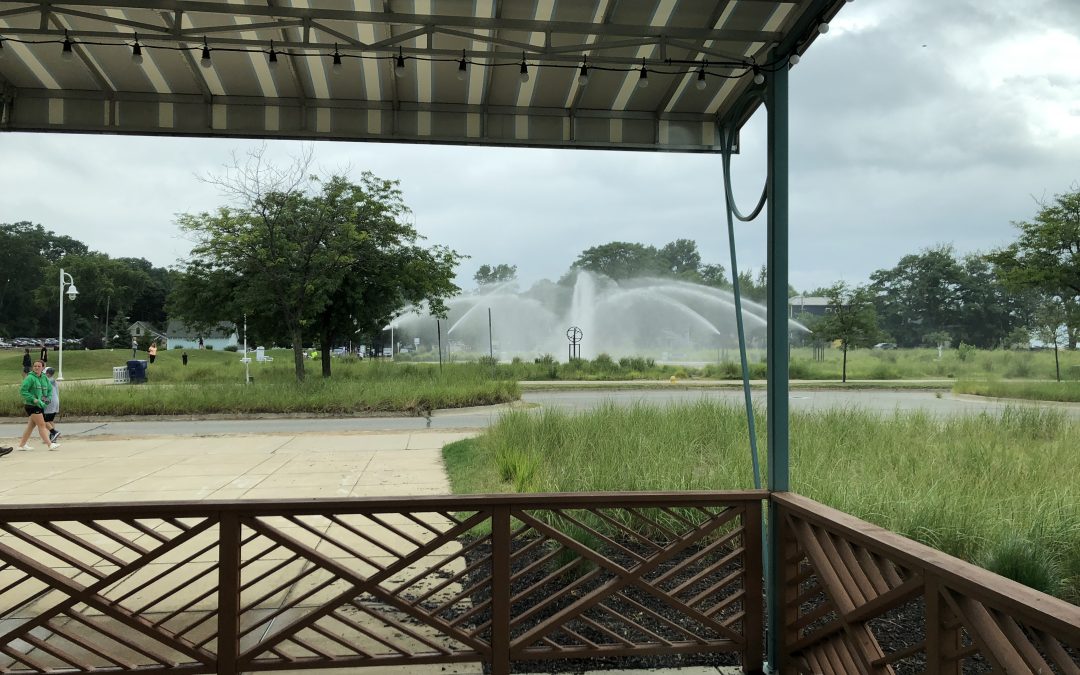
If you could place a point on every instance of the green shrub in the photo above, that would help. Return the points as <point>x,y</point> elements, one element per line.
<point>232,348</point>
<point>604,363</point>
<point>964,350</point>
<point>1021,560</point>
<point>884,371</point>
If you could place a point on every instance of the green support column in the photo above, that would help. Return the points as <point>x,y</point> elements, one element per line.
<point>776,102</point>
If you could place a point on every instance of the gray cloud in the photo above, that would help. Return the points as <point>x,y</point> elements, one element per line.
<point>895,147</point>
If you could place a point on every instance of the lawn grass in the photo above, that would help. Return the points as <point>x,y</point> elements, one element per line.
<point>999,491</point>
<point>213,383</point>
<point>1040,391</point>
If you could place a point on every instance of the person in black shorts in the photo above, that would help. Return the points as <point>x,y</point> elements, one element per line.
<point>53,408</point>
<point>35,392</point>
<point>26,362</point>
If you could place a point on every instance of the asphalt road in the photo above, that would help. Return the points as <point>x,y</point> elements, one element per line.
<point>577,400</point>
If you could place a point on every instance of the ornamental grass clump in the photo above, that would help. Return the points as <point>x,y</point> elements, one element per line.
<point>999,490</point>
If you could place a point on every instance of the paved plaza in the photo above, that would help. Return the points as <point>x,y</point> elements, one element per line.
<point>249,466</point>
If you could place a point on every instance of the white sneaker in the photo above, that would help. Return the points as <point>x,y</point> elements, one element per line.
<point>53,446</point>
<point>25,447</point>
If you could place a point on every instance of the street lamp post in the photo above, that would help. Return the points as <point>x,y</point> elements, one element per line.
<point>71,293</point>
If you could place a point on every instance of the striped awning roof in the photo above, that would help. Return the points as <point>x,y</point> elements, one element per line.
<point>431,71</point>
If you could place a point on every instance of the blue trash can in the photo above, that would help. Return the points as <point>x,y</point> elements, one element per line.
<point>136,371</point>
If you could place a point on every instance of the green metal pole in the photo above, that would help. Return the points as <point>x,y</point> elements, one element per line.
<point>776,102</point>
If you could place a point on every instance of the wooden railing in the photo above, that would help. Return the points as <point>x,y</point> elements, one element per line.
<point>861,599</point>
<point>226,587</point>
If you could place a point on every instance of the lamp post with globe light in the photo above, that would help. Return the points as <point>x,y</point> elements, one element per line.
<point>65,279</point>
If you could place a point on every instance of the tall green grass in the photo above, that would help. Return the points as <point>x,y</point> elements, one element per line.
<point>1040,391</point>
<point>214,385</point>
<point>863,364</point>
<point>1000,491</point>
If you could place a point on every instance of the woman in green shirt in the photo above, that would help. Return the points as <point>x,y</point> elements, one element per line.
<point>35,392</point>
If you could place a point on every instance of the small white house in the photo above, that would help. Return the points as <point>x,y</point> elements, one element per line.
<point>219,337</point>
<point>141,329</point>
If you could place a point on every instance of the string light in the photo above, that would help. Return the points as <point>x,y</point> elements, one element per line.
<point>523,73</point>
<point>724,69</point>
<point>136,52</point>
<point>335,66</point>
<point>66,52</point>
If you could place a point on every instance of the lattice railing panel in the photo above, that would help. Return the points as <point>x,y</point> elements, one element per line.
<point>101,593</point>
<point>357,589</point>
<point>229,587</point>
<point>621,580</point>
<point>859,599</point>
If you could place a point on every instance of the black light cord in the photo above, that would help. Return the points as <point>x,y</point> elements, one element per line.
<point>709,68</point>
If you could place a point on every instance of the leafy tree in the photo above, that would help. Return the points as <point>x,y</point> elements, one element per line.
<point>389,271</point>
<point>680,259</point>
<point>852,320</point>
<point>301,255</point>
<point>1049,322</point>
<point>920,296</point>
<point>714,275</point>
<point>620,260</point>
<point>487,274</point>
<point>1046,256</point>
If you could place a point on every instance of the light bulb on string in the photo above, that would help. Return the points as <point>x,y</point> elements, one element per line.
<point>523,72</point>
<point>272,57</point>
<point>823,28</point>
<point>583,75</point>
<point>643,76</point>
<point>66,51</point>
<point>205,59</point>
<point>1,48</point>
<point>794,59</point>
<point>335,66</point>
<point>759,77</point>
<point>399,64</point>
<point>136,52</point>
<point>701,82</point>
<point>462,68</point>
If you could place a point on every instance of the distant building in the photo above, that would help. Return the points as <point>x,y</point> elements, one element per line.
<point>141,329</point>
<point>219,337</point>
<point>814,304</point>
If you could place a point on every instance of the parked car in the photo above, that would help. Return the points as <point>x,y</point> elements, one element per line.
<point>885,345</point>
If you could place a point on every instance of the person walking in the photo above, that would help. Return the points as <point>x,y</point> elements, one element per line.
<point>35,392</point>
<point>44,356</point>
<point>151,351</point>
<point>26,362</point>
<point>134,348</point>
<point>53,408</point>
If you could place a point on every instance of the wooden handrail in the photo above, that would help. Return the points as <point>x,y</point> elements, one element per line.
<point>1020,601</point>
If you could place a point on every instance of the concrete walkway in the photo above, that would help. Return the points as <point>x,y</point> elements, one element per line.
<point>247,466</point>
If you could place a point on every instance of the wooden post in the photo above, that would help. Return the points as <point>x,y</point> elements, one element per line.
<point>500,590</point>
<point>228,619</point>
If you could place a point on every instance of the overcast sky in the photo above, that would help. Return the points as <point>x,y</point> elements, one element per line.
<point>914,123</point>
